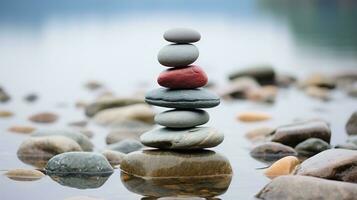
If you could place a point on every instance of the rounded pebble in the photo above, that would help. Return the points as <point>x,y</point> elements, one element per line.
<point>178,55</point>
<point>182,118</point>
<point>182,35</point>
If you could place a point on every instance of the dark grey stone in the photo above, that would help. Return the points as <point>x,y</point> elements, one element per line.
<point>312,146</point>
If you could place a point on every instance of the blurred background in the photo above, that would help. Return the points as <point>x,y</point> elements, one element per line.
<point>67,42</point>
<point>52,48</point>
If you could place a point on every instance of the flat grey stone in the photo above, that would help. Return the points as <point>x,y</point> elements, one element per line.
<point>312,146</point>
<point>182,118</point>
<point>178,55</point>
<point>78,163</point>
<point>193,138</point>
<point>182,35</point>
<point>185,99</point>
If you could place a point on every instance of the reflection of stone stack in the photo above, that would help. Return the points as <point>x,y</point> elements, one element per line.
<point>182,92</point>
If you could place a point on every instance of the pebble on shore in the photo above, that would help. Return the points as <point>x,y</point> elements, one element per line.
<point>253,116</point>
<point>44,117</point>
<point>24,174</point>
<point>284,166</point>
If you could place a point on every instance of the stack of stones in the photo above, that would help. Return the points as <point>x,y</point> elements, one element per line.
<point>182,91</point>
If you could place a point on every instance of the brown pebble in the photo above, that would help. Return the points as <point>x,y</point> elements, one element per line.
<point>5,113</point>
<point>21,129</point>
<point>259,134</point>
<point>45,117</point>
<point>284,166</point>
<point>253,116</point>
<point>24,174</point>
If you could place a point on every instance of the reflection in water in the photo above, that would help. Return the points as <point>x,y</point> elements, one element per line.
<point>158,173</point>
<point>80,181</point>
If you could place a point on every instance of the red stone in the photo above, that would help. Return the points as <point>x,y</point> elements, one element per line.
<point>183,78</point>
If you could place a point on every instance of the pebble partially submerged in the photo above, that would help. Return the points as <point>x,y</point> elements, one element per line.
<point>271,151</point>
<point>24,174</point>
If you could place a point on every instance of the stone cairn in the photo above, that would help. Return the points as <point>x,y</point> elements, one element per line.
<point>182,91</point>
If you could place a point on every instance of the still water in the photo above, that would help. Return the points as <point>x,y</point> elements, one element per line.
<point>52,48</point>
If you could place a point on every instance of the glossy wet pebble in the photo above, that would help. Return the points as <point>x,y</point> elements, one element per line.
<point>77,136</point>
<point>271,151</point>
<point>185,99</point>
<point>311,147</point>
<point>44,117</point>
<point>113,116</point>
<point>351,125</point>
<point>284,166</point>
<point>78,163</point>
<point>37,151</point>
<point>182,118</point>
<point>190,77</point>
<point>192,138</point>
<point>296,133</point>
<point>126,146</point>
<point>182,35</point>
<point>24,174</point>
<point>304,187</point>
<point>159,173</point>
<point>335,164</point>
<point>178,55</point>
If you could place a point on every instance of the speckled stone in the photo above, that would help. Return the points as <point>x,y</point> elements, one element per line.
<point>293,134</point>
<point>182,35</point>
<point>37,151</point>
<point>271,151</point>
<point>159,173</point>
<point>126,146</point>
<point>81,181</point>
<point>192,138</point>
<point>185,99</point>
<point>77,136</point>
<point>335,164</point>
<point>304,187</point>
<point>178,55</point>
<point>182,118</point>
<point>78,163</point>
<point>312,146</point>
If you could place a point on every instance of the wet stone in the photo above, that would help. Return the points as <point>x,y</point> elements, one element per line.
<point>81,181</point>
<point>37,151</point>
<point>113,157</point>
<point>335,164</point>
<point>112,102</point>
<point>182,118</point>
<point>185,99</point>
<point>126,146</point>
<point>253,116</point>
<point>45,117</point>
<point>351,126</point>
<point>192,138</point>
<point>6,114</point>
<point>31,97</point>
<point>77,163</point>
<point>304,187</point>
<point>77,136</point>
<point>283,166</point>
<point>271,151</point>
<point>311,146</point>
<point>158,173</point>
<point>113,116</point>
<point>21,129</point>
<point>296,133</point>
<point>264,74</point>
<point>24,174</point>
